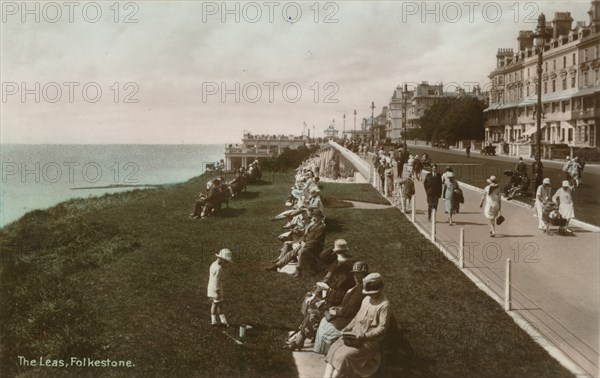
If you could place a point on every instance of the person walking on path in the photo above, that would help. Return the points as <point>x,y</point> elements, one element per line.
<point>433,188</point>
<point>407,190</point>
<point>417,167</point>
<point>468,150</point>
<point>215,286</point>
<point>491,203</point>
<point>449,192</point>
<point>542,194</point>
<point>521,167</point>
<point>564,198</point>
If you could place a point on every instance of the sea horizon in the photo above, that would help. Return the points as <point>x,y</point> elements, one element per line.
<point>39,176</point>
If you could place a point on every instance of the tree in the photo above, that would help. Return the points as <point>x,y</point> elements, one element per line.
<point>454,119</point>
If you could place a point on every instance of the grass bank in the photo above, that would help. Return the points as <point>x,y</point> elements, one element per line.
<point>124,277</point>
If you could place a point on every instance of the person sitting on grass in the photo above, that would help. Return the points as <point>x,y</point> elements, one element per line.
<point>329,292</point>
<point>338,317</point>
<point>357,352</point>
<point>206,204</point>
<point>314,200</point>
<point>307,249</point>
<point>215,286</point>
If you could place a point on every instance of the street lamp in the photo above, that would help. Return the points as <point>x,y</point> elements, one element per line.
<point>354,124</point>
<point>404,99</point>
<point>344,127</point>
<point>540,40</point>
<point>372,122</point>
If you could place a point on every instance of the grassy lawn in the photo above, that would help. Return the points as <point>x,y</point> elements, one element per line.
<point>124,277</point>
<point>586,196</point>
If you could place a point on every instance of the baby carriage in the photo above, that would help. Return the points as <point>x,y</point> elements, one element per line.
<point>552,218</point>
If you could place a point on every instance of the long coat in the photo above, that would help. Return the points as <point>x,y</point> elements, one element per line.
<point>314,239</point>
<point>372,320</point>
<point>433,187</point>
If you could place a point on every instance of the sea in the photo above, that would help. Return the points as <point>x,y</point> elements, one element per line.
<point>43,175</point>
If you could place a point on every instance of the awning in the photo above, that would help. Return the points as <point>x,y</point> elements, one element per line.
<point>532,130</point>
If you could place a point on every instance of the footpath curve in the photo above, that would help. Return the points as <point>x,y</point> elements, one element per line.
<point>555,279</point>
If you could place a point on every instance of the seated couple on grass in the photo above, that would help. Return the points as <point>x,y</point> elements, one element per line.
<point>306,250</point>
<point>335,300</point>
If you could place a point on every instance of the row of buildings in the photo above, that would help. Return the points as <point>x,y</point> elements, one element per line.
<point>570,90</point>
<point>570,99</point>
<point>570,94</point>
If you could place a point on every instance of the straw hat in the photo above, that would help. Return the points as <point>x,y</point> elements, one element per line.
<point>450,174</point>
<point>566,184</point>
<point>492,180</point>
<point>546,181</point>
<point>372,284</point>
<point>225,254</point>
<point>340,245</point>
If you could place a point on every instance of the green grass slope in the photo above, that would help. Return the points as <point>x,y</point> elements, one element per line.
<point>124,277</point>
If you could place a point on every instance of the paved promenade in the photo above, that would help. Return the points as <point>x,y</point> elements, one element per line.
<point>555,278</point>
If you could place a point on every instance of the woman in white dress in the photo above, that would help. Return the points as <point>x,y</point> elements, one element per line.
<point>542,194</point>
<point>491,203</point>
<point>564,198</point>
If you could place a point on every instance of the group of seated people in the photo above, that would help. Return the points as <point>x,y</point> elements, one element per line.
<point>346,314</point>
<point>305,230</point>
<point>218,191</point>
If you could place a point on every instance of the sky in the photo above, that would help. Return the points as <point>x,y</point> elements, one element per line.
<point>155,72</point>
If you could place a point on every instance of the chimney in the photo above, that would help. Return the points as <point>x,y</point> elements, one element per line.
<point>525,40</point>
<point>502,54</point>
<point>594,12</point>
<point>561,24</point>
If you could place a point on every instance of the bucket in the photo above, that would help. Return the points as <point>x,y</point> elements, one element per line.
<point>243,329</point>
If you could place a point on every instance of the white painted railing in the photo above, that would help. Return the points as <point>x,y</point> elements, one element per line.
<point>362,166</point>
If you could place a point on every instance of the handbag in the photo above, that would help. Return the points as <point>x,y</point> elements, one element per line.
<point>500,220</point>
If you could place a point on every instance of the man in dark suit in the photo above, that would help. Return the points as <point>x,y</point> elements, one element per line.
<point>307,249</point>
<point>433,188</point>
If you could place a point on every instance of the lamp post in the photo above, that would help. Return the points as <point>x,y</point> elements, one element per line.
<point>404,99</point>
<point>344,127</point>
<point>540,40</point>
<point>354,136</point>
<point>372,122</point>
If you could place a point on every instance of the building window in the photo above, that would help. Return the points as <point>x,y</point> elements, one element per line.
<point>546,67</point>
<point>585,78</point>
<point>554,65</point>
<point>573,82</point>
<point>597,52</point>
<point>585,53</point>
<point>573,59</point>
<point>545,87</point>
<point>553,85</point>
<point>565,61</point>
<point>597,74</point>
<point>564,83</point>
<point>528,73</point>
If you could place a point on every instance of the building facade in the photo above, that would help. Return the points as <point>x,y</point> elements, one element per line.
<point>570,91</point>
<point>257,146</point>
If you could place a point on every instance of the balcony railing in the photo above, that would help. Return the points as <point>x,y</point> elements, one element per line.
<point>585,113</point>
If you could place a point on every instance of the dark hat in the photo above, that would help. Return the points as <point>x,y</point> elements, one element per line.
<point>318,213</point>
<point>360,267</point>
